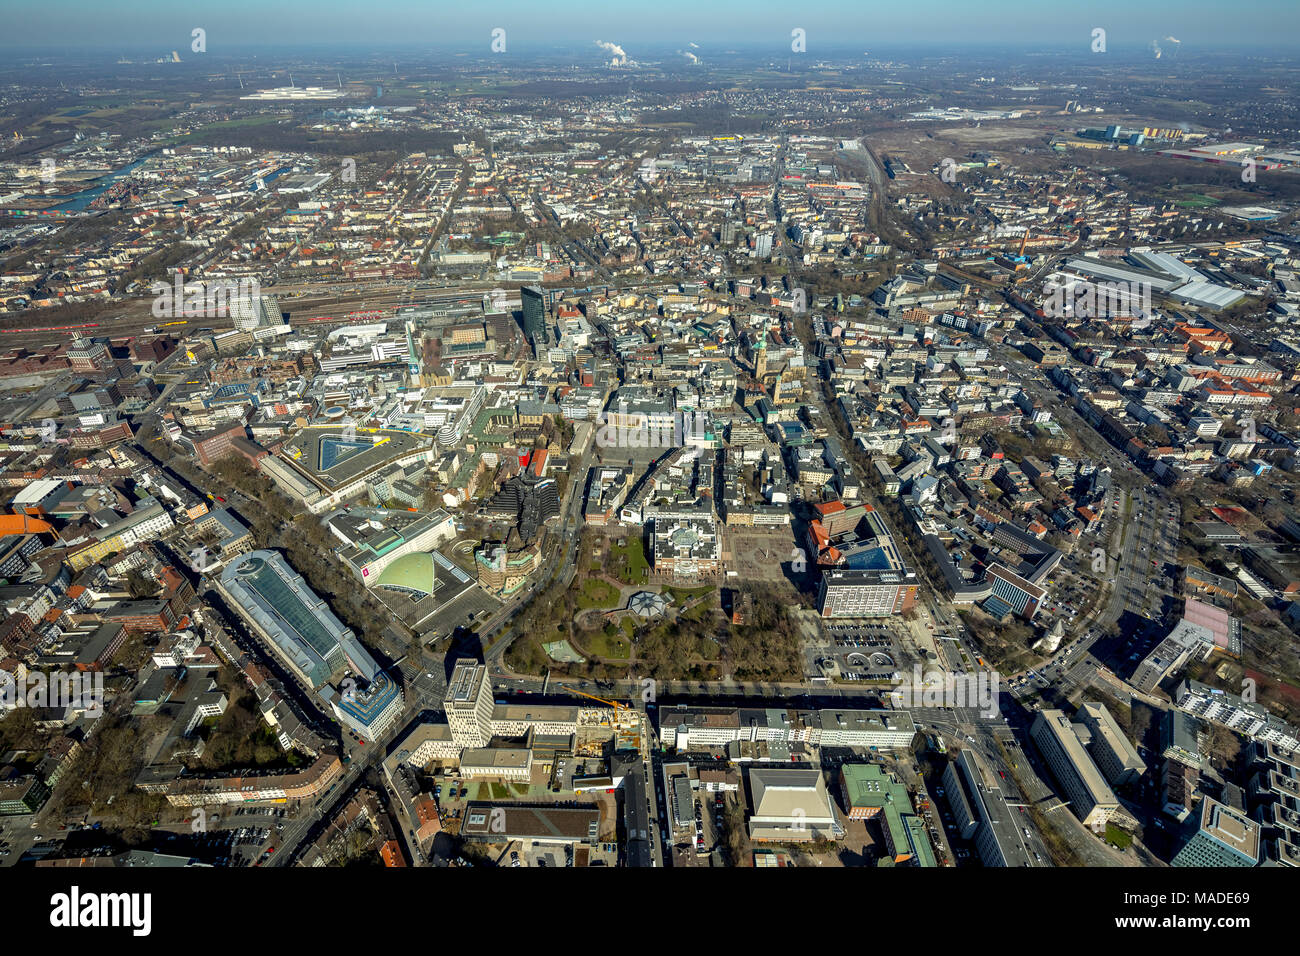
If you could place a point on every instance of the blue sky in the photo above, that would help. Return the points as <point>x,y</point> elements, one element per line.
<point>646,24</point>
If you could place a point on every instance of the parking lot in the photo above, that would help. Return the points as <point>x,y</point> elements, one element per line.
<point>692,844</point>
<point>522,853</point>
<point>863,652</point>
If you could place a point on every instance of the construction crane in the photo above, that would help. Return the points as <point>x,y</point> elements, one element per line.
<point>618,708</point>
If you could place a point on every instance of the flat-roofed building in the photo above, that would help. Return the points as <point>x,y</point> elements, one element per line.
<point>881,729</point>
<point>1200,579</point>
<point>468,704</point>
<point>231,536</point>
<point>371,710</point>
<point>371,555</point>
<point>870,793</point>
<point>39,497</point>
<point>1221,836</point>
<point>219,443</point>
<point>702,728</point>
<point>868,593</point>
<point>1231,711</point>
<point>1275,793</point>
<point>790,805</point>
<point>516,720</point>
<point>682,799</point>
<point>687,544</point>
<point>1188,641</point>
<point>1223,628</point>
<point>1110,748</point>
<point>963,810</point>
<point>497,763</point>
<point>1081,782</point>
<point>980,809</point>
<point>504,572</point>
<point>1181,739</point>
<point>21,794</point>
<point>289,480</point>
<point>427,742</point>
<point>501,823</point>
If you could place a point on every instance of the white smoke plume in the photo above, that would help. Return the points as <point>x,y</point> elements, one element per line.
<point>689,55</point>
<point>618,56</point>
<point>1158,47</point>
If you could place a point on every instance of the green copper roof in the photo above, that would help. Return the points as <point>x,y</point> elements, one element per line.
<point>411,572</point>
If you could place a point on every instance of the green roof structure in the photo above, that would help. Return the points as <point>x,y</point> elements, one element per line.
<point>868,787</point>
<point>411,572</point>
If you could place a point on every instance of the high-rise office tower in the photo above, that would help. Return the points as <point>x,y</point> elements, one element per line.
<point>534,301</point>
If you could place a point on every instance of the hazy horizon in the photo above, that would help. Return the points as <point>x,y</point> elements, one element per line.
<point>831,28</point>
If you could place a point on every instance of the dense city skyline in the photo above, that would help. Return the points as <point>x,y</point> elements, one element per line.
<point>690,436</point>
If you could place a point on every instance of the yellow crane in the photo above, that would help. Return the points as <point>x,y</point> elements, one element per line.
<point>618,708</point>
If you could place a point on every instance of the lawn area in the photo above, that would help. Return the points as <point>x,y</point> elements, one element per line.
<point>630,564</point>
<point>1119,837</point>
<point>685,595</point>
<point>500,791</point>
<point>597,593</point>
<point>601,644</point>
<point>700,611</point>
